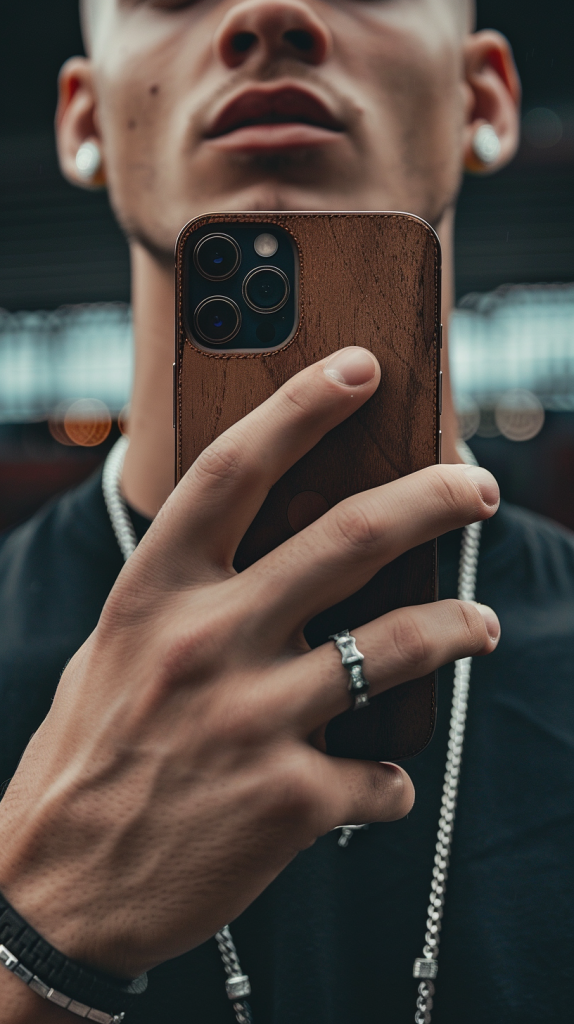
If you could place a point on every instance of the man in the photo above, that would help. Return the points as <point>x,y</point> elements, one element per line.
<point>171,786</point>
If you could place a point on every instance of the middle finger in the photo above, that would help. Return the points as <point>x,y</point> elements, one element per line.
<point>339,553</point>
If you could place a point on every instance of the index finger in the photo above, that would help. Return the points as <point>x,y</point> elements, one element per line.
<point>209,511</point>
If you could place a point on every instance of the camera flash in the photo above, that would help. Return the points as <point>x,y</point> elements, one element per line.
<point>266,245</point>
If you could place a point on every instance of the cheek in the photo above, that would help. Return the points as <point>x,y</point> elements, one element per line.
<point>413,117</point>
<point>138,95</point>
<point>131,100</point>
<point>150,66</point>
<point>135,124</point>
<point>414,93</point>
<point>406,55</point>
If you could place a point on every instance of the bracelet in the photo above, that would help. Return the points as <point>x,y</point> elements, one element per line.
<point>59,979</point>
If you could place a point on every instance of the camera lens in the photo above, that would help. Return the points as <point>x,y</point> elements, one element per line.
<point>217,257</point>
<point>217,320</point>
<point>266,289</point>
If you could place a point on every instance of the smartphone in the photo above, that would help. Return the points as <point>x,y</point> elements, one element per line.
<point>259,297</point>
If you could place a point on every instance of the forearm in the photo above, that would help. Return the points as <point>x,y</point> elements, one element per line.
<point>19,1005</point>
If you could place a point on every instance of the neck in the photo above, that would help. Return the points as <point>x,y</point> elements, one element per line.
<point>148,474</point>
<point>149,467</point>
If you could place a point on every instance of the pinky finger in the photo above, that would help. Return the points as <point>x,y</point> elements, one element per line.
<point>363,791</point>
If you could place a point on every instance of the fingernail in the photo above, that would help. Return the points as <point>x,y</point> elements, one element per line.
<point>487,485</point>
<point>351,366</point>
<point>490,620</point>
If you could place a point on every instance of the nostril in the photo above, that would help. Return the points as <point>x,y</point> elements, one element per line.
<point>300,39</point>
<point>243,41</point>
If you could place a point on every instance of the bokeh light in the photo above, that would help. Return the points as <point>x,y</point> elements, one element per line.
<point>85,422</point>
<point>519,415</point>
<point>56,424</point>
<point>88,422</point>
<point>468,413</point>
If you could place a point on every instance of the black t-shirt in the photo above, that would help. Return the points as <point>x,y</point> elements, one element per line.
<point>333,939</point>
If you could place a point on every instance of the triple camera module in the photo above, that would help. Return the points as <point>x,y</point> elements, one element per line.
<point>242,287</point>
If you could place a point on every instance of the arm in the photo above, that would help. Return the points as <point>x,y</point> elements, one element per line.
<point>20,1006</point>
<point>173,778</point>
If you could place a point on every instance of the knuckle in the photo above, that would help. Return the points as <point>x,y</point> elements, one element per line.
<point>179,655</point>
<point>297,397</point>
<point>189,648</point>
<point>292,789</point>
<point>350,523</point>
<point>240,723</point>
<point>413,647</point>
<point>457,493</point>
<point>222,460</point>
<point>450,489</point>
<point>471,625</point>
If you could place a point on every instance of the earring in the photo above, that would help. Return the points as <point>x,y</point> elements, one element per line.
<point>88,160</point>
<point>486,144</point>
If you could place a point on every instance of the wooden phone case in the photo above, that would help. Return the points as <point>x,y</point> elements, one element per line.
<point>370,279</point>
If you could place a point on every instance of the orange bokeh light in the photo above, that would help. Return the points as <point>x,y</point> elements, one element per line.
<point>87,422</point>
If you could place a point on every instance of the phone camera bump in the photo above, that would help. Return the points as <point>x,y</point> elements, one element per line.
<point>217,320</point>
<point>217,257</point>
<point>266,289</point>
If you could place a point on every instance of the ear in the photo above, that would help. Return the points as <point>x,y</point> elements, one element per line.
<point>493,97</point>
<point>76,120</point>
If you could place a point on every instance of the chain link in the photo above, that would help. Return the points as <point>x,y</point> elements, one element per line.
<point>424,1002</point>
<point>115,504</point>
<point>427,964</point>
<point>228,954</point>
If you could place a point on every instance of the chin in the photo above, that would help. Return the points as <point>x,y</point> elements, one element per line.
<point>298,179</point>
<point>280,196</point>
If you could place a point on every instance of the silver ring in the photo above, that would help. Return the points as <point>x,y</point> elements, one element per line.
<point>352,658</point>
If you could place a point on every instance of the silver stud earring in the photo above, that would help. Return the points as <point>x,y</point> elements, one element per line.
<point>486,144</point>
<point>88,160</point>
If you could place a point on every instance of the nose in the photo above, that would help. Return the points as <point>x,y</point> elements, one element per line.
<point>272,28</point>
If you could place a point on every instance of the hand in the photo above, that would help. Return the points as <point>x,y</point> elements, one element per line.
<point>173,778</point>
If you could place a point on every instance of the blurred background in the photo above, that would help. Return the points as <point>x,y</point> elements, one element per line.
<point>65,329</point>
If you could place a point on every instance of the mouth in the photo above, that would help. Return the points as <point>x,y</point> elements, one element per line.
<point>272,119</point>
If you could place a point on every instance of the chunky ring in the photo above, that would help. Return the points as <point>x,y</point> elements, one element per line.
<point>352,658</point>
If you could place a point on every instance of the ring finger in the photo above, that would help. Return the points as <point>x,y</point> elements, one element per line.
<point>404,644</point>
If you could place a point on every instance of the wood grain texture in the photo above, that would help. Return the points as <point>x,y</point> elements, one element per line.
<point>365,279</point>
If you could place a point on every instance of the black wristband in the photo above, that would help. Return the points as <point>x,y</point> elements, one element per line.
<point>59,972</point>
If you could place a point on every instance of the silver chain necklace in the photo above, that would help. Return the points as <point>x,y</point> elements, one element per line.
<point>425,967</point>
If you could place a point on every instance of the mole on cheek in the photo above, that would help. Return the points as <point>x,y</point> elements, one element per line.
<point>154,89</point>
<point>132,124</point>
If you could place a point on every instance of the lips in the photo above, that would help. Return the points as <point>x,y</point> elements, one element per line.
<point>263,118</point>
